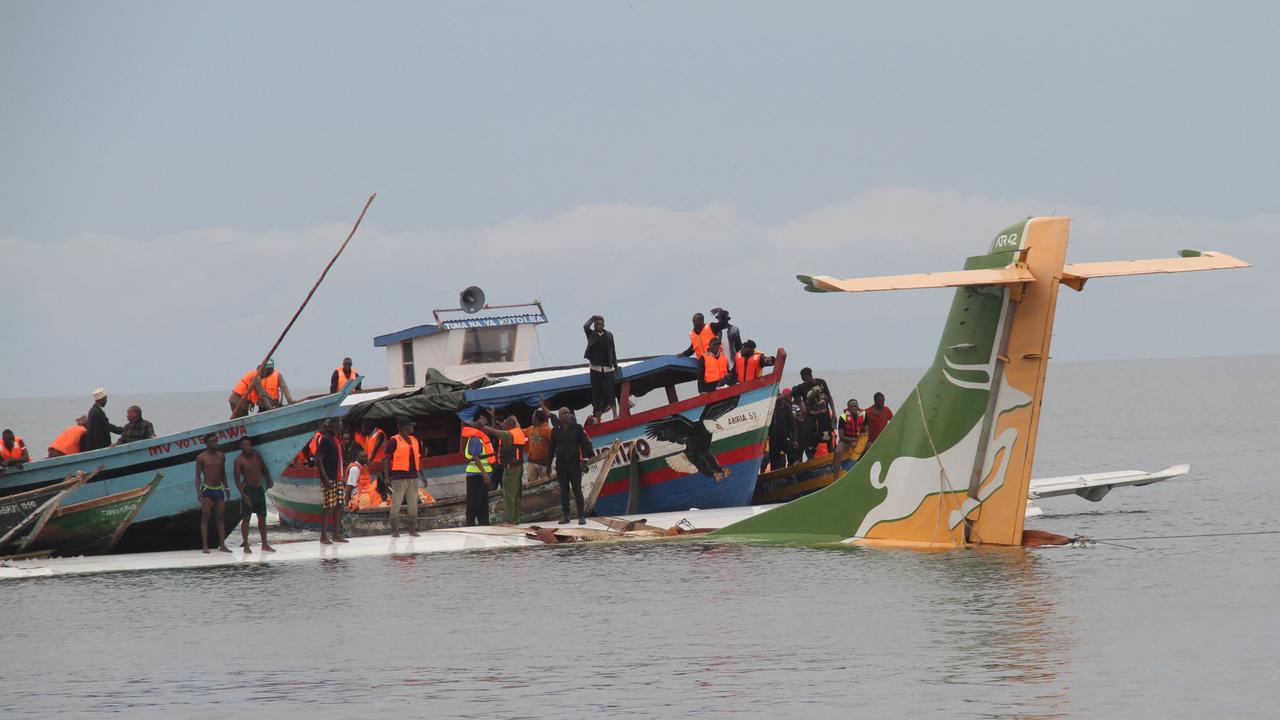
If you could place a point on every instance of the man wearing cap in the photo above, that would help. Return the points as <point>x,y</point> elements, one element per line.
<point>99,427</point>
<point>263,388</point>
<point>732,336</point>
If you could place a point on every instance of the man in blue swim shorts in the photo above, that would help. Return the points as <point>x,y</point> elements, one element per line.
<point>211,490</point>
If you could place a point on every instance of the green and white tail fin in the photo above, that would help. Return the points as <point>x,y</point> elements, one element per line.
<point>953,466</point>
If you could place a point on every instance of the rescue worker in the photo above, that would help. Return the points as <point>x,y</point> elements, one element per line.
<point>538,436</point>
<point>478,450</point>
<point>749,364</point>
<point>852,430</point>
<point>375,449</point>
<point>569,448</point>
<point>404,463</point>
<point>13,452</point>
<point>99,428</point>
<point>699,337</point>
<point>342,375</point>
<point>261,388</point>
<point>512,443</point>
<point>70,441</point>
<point>878,415</point>
<point>713,368</point>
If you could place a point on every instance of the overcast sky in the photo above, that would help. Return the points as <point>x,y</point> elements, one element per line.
<point>175,175</point>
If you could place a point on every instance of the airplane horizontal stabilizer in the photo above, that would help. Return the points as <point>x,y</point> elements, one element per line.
<point>1095,486</point>
<point>1074,275</point>
<point>1011,275</point>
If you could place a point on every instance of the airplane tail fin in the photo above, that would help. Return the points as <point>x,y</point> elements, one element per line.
<point>953,466</point>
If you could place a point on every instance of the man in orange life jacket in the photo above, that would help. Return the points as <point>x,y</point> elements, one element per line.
<point>699,337</point>
<point>13,452</point>
<point>749,364</point>
<point>404,462</point>
<point>852,425</point>
<point>262,388</point>
<point>511,451</point>
<point>71,440</point>
<point>713,368</point>
<point>375,450</point>
<point>341,376</point>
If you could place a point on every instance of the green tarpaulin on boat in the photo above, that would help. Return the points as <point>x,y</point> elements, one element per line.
<point>437,394</point>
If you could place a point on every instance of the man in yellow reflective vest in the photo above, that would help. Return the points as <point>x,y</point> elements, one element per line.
<point>478,450</point>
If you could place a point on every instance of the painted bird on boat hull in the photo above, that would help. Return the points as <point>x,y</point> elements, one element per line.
<point>696,436</point>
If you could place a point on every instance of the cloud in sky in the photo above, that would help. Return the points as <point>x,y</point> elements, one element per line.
<point>193,310</point>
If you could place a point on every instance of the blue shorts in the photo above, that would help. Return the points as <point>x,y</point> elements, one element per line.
<point>215,494</point>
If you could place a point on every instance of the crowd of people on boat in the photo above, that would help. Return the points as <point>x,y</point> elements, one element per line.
<point>805,425</point>
<point>91,431</point>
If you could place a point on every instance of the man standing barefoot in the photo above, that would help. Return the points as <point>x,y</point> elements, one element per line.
<point>252,478</point>
<point>329,462</point>
<point>211,490</point>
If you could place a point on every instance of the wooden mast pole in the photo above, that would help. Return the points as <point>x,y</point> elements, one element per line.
<point>307,299</point>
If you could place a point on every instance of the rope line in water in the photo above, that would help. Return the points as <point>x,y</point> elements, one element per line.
<point>1199,535</point>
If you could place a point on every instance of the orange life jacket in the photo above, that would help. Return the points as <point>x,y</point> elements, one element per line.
<point>487,456</point>
<point>271,384</point>
<point>400,460</point>
<point>68,443</point>
<point>344,379</point>
<point>714,368</point>
<point>822,449</point>
<point>851,425</point>
<point>701,340</point>
<point>379,438</point>
<point>750,368</point>
<point>519,440</point>
<point>424,496</point>
<point>16,452</point>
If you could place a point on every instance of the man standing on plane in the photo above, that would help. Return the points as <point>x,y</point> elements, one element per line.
<point>211,490</point>
<point>252,479</point>
<point>333,493</point>
<point>569,449</point>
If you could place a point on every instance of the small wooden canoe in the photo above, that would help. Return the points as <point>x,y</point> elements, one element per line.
<point>95,526</point>
<point>793,481</point>
<point>31,509</point>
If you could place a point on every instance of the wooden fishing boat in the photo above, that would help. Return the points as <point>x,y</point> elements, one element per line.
<point>170,519</point>
<point>702,451</point>
<point>23,515</point>
<point>93,527</point>
<point>538,503</point>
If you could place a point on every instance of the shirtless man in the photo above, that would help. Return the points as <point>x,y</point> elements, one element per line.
<point>211,490</point>
<point>252,479</point>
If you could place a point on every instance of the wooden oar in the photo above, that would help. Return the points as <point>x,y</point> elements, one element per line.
<point>307,299</point>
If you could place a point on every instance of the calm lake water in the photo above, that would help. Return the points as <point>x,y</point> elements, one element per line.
<point>1171,628</point>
